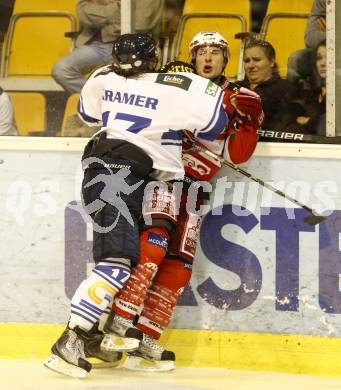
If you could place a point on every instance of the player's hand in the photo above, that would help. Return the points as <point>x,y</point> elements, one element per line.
<point>248,104</point>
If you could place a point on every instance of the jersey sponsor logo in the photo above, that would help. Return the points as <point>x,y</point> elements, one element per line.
<point>157,240</point>
<point>173,80</point>
<point>130,98</point>
<point>211,88</point>
<point>127,306</point>
<point>155,324</point>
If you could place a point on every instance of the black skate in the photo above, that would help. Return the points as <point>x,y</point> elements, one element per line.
<point>120,334</point>
<point>68,354</point>
<point>92,349</point>
<point>150,357</point>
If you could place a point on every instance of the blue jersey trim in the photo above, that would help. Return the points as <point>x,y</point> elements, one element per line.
<point>218,127</point>
<point>172,143</point>
<point>219,117</point>
<point>85,117</point>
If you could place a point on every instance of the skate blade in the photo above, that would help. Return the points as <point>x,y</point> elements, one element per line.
<point>136,363</point>
<point>55,363</point>
<point>99,364</point>
<point>111,342</point>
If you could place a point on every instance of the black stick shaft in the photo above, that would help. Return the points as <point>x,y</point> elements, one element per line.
<point>266,185</point>
<point>257,180</point>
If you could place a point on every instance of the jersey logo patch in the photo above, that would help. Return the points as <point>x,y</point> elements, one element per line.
<point>174,80</point>
<point>211,88</point>
<point>158,240</point>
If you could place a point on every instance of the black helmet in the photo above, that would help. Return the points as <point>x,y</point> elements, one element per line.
<point>134,51</point>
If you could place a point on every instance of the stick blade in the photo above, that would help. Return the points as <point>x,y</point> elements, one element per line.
<point>314,219</point>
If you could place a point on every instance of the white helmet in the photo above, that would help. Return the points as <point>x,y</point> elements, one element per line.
<point>208,38</point>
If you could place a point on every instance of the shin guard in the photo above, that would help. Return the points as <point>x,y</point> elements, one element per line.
<point>96,293</point>
<point>169,282</point>
<point>153,248</point>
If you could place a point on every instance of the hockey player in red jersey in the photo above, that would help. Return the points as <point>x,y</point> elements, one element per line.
<point>167,247</point>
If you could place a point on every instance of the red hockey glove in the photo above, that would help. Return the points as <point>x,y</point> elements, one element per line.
<point>249,105</point>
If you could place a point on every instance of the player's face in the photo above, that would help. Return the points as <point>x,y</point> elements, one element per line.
<point>209,62</point>
<point>258,67</point>
<point>321,61</point>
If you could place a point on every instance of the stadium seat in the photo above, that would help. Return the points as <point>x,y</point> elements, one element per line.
<point>70,109</point>
<point>30,112</point>
<point>227,17</point>
<point>296,6</point>
<point>45,5</point>
<point>35,38</point>
<point>284,26</point>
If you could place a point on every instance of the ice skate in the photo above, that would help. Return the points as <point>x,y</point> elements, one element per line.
<point>120,335</point>
<point>99,357</point>
<point>150,357</point>
<point>68,354</point>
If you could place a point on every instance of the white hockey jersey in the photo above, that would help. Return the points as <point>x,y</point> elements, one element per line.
<point>150,111</point>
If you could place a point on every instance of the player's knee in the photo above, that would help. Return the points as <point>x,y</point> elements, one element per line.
<point>58,71</point>
<point>174,274</point>
<point>153,245</point>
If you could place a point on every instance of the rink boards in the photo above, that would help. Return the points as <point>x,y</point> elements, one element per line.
<point>265,287</point>
<point>201,348</point>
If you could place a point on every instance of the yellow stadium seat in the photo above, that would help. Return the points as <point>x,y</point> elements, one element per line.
<point>284,26</point>
<point>227,17</point>
<point>29,111</point>
<point>45,5</point>
<point>35,39</point>
<point>35,42</point>
<point>70,109</point>
<point>296,6</point>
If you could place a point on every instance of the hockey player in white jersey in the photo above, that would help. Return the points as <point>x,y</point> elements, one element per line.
<point>142,115</point>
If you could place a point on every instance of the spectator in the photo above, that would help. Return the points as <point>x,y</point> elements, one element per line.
<point>174,9</point>
<point>7,121</point>
<point>100,26</point>
<point>312,119</point>
<point>315,32</point>
<point>300,63</point>
<point>262,76</point>
<point>75,127</point>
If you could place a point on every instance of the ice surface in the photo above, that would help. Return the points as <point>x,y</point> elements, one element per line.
<point>31,375</point>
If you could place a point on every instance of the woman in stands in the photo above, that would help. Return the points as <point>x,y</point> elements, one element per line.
<point>262,76</point>
<point>312,118</point>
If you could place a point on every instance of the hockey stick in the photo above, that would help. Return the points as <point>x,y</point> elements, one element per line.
<point>296,137</point>
<point>312,219</point>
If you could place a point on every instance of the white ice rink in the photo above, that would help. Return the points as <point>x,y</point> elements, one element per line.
<point>31,375</point>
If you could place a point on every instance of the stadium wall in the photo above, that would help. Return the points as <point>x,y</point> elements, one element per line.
<point>265,288</point>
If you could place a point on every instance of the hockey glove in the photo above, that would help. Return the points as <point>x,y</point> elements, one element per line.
<point>249,106</point>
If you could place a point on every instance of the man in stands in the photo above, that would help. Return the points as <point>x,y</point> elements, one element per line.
<point>100,25</point>
<point>167,249</point>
